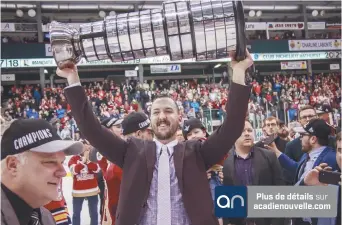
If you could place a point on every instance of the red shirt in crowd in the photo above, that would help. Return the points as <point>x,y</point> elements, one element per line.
<point>84,177</point>
<point>113,176</point>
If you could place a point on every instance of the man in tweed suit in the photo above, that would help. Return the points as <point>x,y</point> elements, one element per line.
<point>163,174</point>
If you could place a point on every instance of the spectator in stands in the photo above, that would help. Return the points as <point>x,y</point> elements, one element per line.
<point>295,91</point>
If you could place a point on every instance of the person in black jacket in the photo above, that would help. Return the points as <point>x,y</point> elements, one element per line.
<point>247,165</point>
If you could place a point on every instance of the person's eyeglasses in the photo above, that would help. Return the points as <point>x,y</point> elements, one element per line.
<point>304,134</point>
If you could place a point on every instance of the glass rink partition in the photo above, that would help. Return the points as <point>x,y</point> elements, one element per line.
<point>204,30</point>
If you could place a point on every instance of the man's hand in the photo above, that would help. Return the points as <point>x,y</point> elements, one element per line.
<point>70,72</point>
<point>311,177</point>
<point>209,174</point>
<point>239,68</point>
<point>273,148</point>
<point>220,175</point>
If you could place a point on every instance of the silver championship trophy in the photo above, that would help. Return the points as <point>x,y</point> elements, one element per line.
<point>205,30</point>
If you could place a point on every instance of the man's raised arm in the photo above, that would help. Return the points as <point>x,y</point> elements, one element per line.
<point>219,143</point>
<point>109,145</point>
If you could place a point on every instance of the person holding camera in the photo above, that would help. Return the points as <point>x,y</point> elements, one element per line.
<point>85,185</point>
<point>314,138</point>
<point>312,178</point>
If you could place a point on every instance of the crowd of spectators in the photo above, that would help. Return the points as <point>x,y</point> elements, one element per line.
<point>274,95</point>
<point>18,39</point>
<point>282,96</point>
<point>328,35</point>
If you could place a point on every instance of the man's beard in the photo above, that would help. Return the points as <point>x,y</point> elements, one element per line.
<point>306,148</point>
<point>173,129</point>
<point>283,134</point>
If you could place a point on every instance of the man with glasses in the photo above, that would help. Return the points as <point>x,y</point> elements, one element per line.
<point>314,137</point>
<point>272,127</point>
<point>293,149</point>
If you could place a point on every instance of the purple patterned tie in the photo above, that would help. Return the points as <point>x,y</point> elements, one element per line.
<point>164,193</point>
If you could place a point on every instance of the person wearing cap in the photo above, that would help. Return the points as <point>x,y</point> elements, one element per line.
<point>155,169</point>
<point>134,124</point>
<point>312,179</point>
<point>112,175</point>
<point>137,124</point>
<point>32,156</point>
<point>114,125</point>
<point>314,138</point>
<point>194,129</point>
<point>85,185</point>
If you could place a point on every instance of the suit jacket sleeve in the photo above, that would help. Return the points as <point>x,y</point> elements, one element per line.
<point>108,144</point>
<point>288,163</point>
<point>291,148</point>
<point>277,178</point>
<point>218,144</point>
<point>288,150</point>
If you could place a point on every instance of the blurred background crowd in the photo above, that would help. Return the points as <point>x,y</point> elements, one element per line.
<point>275,95</point>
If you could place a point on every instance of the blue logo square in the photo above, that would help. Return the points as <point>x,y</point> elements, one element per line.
<point>231,201</point>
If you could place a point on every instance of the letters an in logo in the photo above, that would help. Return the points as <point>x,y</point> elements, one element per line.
<point>230,202</point>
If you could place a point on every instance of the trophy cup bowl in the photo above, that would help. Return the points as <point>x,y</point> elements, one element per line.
<point>204,30</point>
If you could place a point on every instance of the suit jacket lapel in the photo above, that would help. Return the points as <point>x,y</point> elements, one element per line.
<point>151,158</point>
<point>256,167</point>
<point>229,170</point>
<point>178,158</point>
<point>7,211</point>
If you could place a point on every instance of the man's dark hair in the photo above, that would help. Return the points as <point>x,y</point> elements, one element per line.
<point>306,107</point>
<point>165,96</point>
